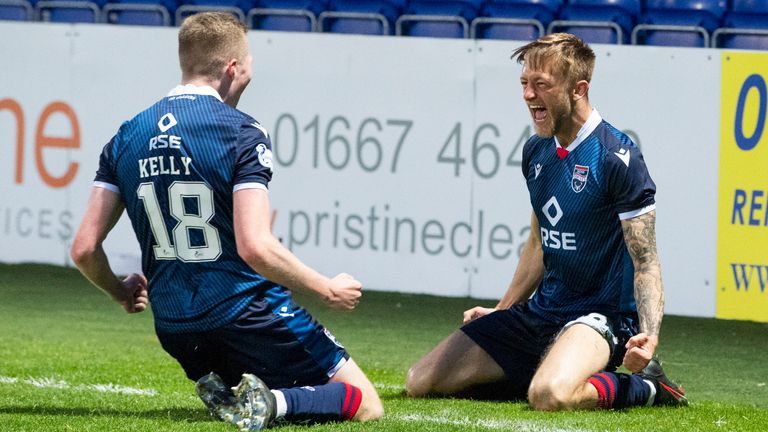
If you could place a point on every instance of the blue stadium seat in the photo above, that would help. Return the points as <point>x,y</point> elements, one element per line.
<point>745,26</point>
<point>191,7</point>
<point>69,11</point>
<point>598,21</point>
<point>438,18</point>
<point>15,10</point>
<point>678,22</point>
<point>514,19</point>
<point>286,15</point>
<point>139,12</point>
<point>371,17</point>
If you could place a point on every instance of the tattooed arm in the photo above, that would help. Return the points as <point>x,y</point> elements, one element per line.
<point>640,237</point>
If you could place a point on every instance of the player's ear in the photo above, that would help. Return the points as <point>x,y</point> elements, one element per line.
<point>231,69</point>
<point>580,90</point>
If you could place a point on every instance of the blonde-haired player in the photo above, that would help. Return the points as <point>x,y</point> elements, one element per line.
<point>192,172</point>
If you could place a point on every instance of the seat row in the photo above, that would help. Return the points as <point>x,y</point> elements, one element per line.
<point>702,23</point>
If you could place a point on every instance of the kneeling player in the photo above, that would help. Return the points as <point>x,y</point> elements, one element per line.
<point>193,173</point>
<point>587,294</point>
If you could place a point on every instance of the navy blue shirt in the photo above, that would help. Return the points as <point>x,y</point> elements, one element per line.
<point>176,166</point>
<point>579,201</point>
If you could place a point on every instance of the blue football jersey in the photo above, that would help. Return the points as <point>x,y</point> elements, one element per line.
<point>579,201</point>
<point>176,166</point>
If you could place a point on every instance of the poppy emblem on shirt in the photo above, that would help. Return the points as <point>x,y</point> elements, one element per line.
<point>330,336</point>
<point>579,179</point>
<point>265,156</point>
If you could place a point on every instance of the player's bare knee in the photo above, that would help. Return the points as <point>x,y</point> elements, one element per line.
<point>549,396</point>
<point>414,383</point>
<point>370,410</point>
<point>543,400</point>
<point>419,382</point>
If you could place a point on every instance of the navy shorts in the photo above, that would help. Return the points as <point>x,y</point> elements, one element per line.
<point>274,338</point>
<point>517,339</point>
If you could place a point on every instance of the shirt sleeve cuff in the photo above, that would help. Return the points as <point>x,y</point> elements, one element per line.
<point>636,213</point>
<point>252,185</point>
<point>107,186</point>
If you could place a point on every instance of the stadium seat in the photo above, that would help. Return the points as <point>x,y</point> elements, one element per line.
<point>286,15</point>
<point>70,11</point>
<point>191,7</point>
<point>745,26</point>
<point>678,22</point>
<point>437,18</point>
<point>514,19</point>
<point>598,21</point>
<point>139,12</point>
<point>15,10</point>
<point>372,17</point>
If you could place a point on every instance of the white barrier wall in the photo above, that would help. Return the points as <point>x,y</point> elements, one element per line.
<point>397,158</point>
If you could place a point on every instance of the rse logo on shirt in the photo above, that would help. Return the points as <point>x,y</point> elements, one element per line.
<point>551,238</point>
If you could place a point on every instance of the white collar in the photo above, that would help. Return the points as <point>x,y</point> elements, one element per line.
<point>587,128</point>
<point>193,89</point>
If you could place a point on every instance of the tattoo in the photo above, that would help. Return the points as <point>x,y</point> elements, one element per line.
<point>640,238</point>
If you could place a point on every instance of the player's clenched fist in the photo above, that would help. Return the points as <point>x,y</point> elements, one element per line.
<point>345,292</point>
<point>640,350</point>
<point>134,298</point>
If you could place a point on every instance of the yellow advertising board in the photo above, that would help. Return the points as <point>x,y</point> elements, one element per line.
<point>742,244</point>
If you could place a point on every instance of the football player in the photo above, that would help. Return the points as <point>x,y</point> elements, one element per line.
<point>192,172</point>
<point>587,294</point>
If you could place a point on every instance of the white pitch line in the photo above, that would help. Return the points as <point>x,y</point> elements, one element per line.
<point>114,388</point>
<point>516,425</point>
<point>382,386</point>
<point>47,382</point>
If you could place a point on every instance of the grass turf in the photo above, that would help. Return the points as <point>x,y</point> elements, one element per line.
<point>62,338</point>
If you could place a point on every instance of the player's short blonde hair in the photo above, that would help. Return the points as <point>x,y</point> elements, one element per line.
<point>563,53</point>
<point>207,41</point>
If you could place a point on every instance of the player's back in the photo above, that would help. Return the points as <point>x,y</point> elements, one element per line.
<point>176,165</point>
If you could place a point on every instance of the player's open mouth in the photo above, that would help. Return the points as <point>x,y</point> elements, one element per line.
<point>538,112</point>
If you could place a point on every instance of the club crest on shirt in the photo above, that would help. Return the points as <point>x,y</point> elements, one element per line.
<point>579,179</point>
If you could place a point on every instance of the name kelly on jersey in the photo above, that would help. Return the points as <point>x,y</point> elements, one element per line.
<point>164,165</point>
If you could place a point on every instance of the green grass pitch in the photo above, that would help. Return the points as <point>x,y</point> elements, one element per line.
<point>71,360</point>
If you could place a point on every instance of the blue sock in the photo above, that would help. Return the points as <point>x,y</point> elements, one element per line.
<point>617,390</point>
<point>328,402</point>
